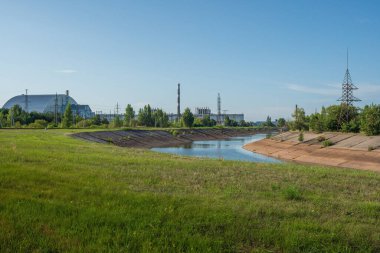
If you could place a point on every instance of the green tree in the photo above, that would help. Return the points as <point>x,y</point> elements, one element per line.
<point>96,120</point>
<point>198,122</point>
<point>269,122</point>
<point>116,122</point>
<point>206,121</point>
<point>370,120</point>
<point>299,122</point>
<point>281,122</point>
<point>242,123</point>
<point>316,123</point>
<point>227,121</point>
<point>188,118</point>
<point>161,119</point>
<point>145,117</point>
<point>67,120</point>
<point>14,115</point>
<point>3,118</point>
<point>129,115</point>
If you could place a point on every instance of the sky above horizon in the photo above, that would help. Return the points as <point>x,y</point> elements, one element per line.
<point>263,57</point>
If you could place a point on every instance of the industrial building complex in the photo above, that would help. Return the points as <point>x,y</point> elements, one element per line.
<point>201,112</point>
<point>55,103</point>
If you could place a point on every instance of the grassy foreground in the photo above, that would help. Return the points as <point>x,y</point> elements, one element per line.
<point>62,194</point>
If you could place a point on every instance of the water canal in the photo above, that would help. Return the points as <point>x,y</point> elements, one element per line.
<point>228,149</point>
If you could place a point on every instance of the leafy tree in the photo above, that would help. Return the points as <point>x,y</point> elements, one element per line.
<point>188,118</point>
<point>105,121</point>
<point>299,122</point>
<point>227,121</point>
<point>145,117</point>
<point>116,122</point>
<point>3,118</point>
<point>316,123</point>
<point>281,122</point>
<point>161,119</point>
<point>370,120</point>
<point>96,120</point>
<point>67,120</point>
<point>269,122</point>
<point>206,121</point>
<point>14,115</point>
<point>233,123</point>
<point>198,122</point>
<point>242,123</point>
<point>129,115</point>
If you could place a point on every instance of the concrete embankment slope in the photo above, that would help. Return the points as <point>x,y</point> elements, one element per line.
<point>348,150</point>
<point>161,138</point>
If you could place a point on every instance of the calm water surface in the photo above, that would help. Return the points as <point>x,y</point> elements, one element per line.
<point>228,149</point>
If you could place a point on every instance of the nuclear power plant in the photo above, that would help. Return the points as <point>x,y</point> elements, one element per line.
<point>201,112</point>
<point>49,103</point>
<point>56,104</point>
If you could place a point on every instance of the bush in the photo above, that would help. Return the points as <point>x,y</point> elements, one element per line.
<point>174,133</point>
<point>300,136</point>
<point>327,143</point>
<point>38,123</point>
<point>370,148</point>
<point>370,120</point>
<point>292,193</point>
<point>321,138</point>
<point>84,123</point>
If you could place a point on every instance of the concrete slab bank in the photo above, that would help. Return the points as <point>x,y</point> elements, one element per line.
<point>163,138</point>
<point>347,150</point>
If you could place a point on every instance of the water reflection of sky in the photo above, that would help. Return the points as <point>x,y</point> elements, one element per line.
<point>229,149</point>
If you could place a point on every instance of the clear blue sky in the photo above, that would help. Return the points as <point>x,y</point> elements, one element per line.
<point>262,56</point>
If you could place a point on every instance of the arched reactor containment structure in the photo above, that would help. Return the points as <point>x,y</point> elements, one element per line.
<point>48,104</point>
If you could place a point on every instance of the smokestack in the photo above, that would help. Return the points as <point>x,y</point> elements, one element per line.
<point>179,101</point>
<point>67,98</point>
<point>219,109</point>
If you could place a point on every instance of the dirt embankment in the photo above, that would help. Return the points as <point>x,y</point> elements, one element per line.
<point>347,150</point>
<point>162,138</point>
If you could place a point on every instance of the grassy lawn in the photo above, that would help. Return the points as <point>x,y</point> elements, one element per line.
<point>62,194</point>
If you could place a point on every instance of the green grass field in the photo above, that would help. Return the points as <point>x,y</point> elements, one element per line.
<point>59,194</point>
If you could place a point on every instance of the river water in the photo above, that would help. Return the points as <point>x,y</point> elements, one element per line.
<point>228,149</point>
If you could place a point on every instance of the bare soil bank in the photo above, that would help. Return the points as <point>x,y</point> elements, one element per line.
<point>348,150</point>
<point>162,138</point>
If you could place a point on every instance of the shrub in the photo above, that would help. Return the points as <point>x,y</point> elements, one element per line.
<point>327,143</point>
<point>38,123</point>
<point>300,136</point>
<point>370,148</point>
<point>292,193</point>
<point>370,120</point>
<point>321,138</point>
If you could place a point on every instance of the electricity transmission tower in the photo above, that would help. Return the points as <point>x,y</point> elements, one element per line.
<point>347,99</point>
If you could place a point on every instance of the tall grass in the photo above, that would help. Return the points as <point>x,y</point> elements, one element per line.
<point>59,194</point>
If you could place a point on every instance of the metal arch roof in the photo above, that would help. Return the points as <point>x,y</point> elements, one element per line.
<point>38,103</point>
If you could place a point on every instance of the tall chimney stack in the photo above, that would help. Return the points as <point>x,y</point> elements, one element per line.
<point>179,102</point>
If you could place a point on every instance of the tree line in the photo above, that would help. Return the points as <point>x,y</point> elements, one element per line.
<point>146,116</point>
<point>341,118</point>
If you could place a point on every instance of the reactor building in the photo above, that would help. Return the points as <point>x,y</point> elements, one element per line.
<point>50,103</point>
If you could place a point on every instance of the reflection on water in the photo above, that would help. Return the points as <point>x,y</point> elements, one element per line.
<point>229,149</point>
